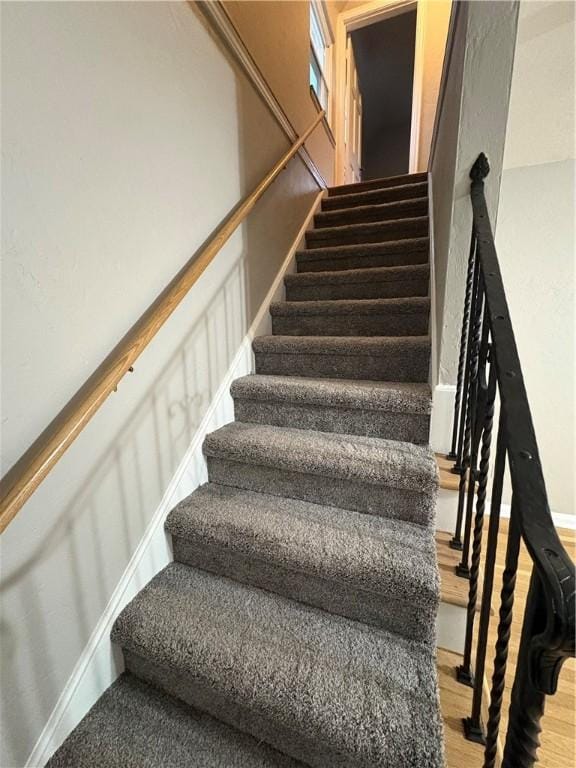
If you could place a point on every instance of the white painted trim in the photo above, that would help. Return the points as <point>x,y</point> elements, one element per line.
<point>223,26</point>
<point>443,396</point>
<point>432,287</point>
<point>450,627</point>
<point>348,21</point>
<point>100,663</point>
<point>446,512</point>
<point>560,519</point>
<point>417,88</point>
<point>324,19</point>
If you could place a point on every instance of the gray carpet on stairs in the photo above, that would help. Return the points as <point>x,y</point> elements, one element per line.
<point>331,692</point>
<point>413,250</point>
<point>352,317</point>
<point>383,183</point>
<point>383,358</point>
<point>391,410</point>
<point>135,725</point>
<point>371,569</point>
<point>375,283</point>
<point>374,232</point>
<point>297,625</point>
<point>386,478</point>
<point>362,214</point>
<point>375,196</point>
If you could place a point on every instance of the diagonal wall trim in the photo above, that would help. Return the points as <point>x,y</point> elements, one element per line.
<point>221,23</point>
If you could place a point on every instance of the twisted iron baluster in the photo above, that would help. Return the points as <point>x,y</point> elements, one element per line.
<point>501,657</point>
<point>489,564</point>
<point>467,406</point>
<point>527,705</point>
<point>457,468</point>
<point>477,407</point>
<point>473,725</point>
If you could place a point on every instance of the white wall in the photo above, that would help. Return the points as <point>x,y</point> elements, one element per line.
<point>535,232</point>
<point>479,110</point>
<point>127,136</point>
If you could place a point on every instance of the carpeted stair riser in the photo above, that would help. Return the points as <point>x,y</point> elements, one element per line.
<point>386,183</point>
<point>396,253</point>
<point>380,317</point>
<point>375,196</point>
<point>400,209</point>
<point>348,494</point>
<point>404,358</point>
<point>394,480</point>
<point>392,412</point>
<point>321,688</point>
<point>407,427</point>
<point>136,725</point>
<point>373,570</point>
<point>379,283</point>
<point>379,232</point>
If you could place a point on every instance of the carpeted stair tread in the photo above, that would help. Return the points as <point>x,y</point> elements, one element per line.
<point>396,397</point>
<point>391,410</point>
<point>383,183</point>
<point>371,460</point>
<point>403,306</point>
<point>372,232</point>
<point>325,690</point>
<point>397,209</point>
<point>135,725</point>
<point>375,196</point>
<point>351,317</point>
<point>377,282</point>
<point>370,569</point>
<point>409,251</point>
<point>388,358</point>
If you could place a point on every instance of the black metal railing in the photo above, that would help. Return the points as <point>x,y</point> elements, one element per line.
<point>489,372</point>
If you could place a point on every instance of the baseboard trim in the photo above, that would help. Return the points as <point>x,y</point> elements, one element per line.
<point>222,24</point>
<point>560,519</point>
<point>442,414</point>
<point>446,513</point>
<point>100,663</point>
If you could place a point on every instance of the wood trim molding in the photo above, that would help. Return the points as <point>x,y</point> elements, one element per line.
<point>220,21</point>
<point>325,121</point>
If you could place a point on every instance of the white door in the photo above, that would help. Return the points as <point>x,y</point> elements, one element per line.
<point>352,120</point>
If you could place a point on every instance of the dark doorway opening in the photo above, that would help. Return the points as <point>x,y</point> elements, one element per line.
<point>384,54</point>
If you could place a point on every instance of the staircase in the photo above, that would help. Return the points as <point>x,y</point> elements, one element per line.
<point>297,623</point>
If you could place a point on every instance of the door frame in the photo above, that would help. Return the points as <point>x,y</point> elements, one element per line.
<point>363,16</point>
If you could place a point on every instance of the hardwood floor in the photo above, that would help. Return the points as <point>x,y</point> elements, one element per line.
<point>558,739</point>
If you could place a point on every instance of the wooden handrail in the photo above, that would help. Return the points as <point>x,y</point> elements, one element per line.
<point>29,471</point>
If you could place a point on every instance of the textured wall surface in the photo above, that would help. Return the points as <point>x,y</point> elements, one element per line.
<point>535,233</point>
<point>127,137</point>
<point>478,111</point>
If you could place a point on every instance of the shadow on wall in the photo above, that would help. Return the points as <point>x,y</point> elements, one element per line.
<point>161,428</point>
<point>65,553</point>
